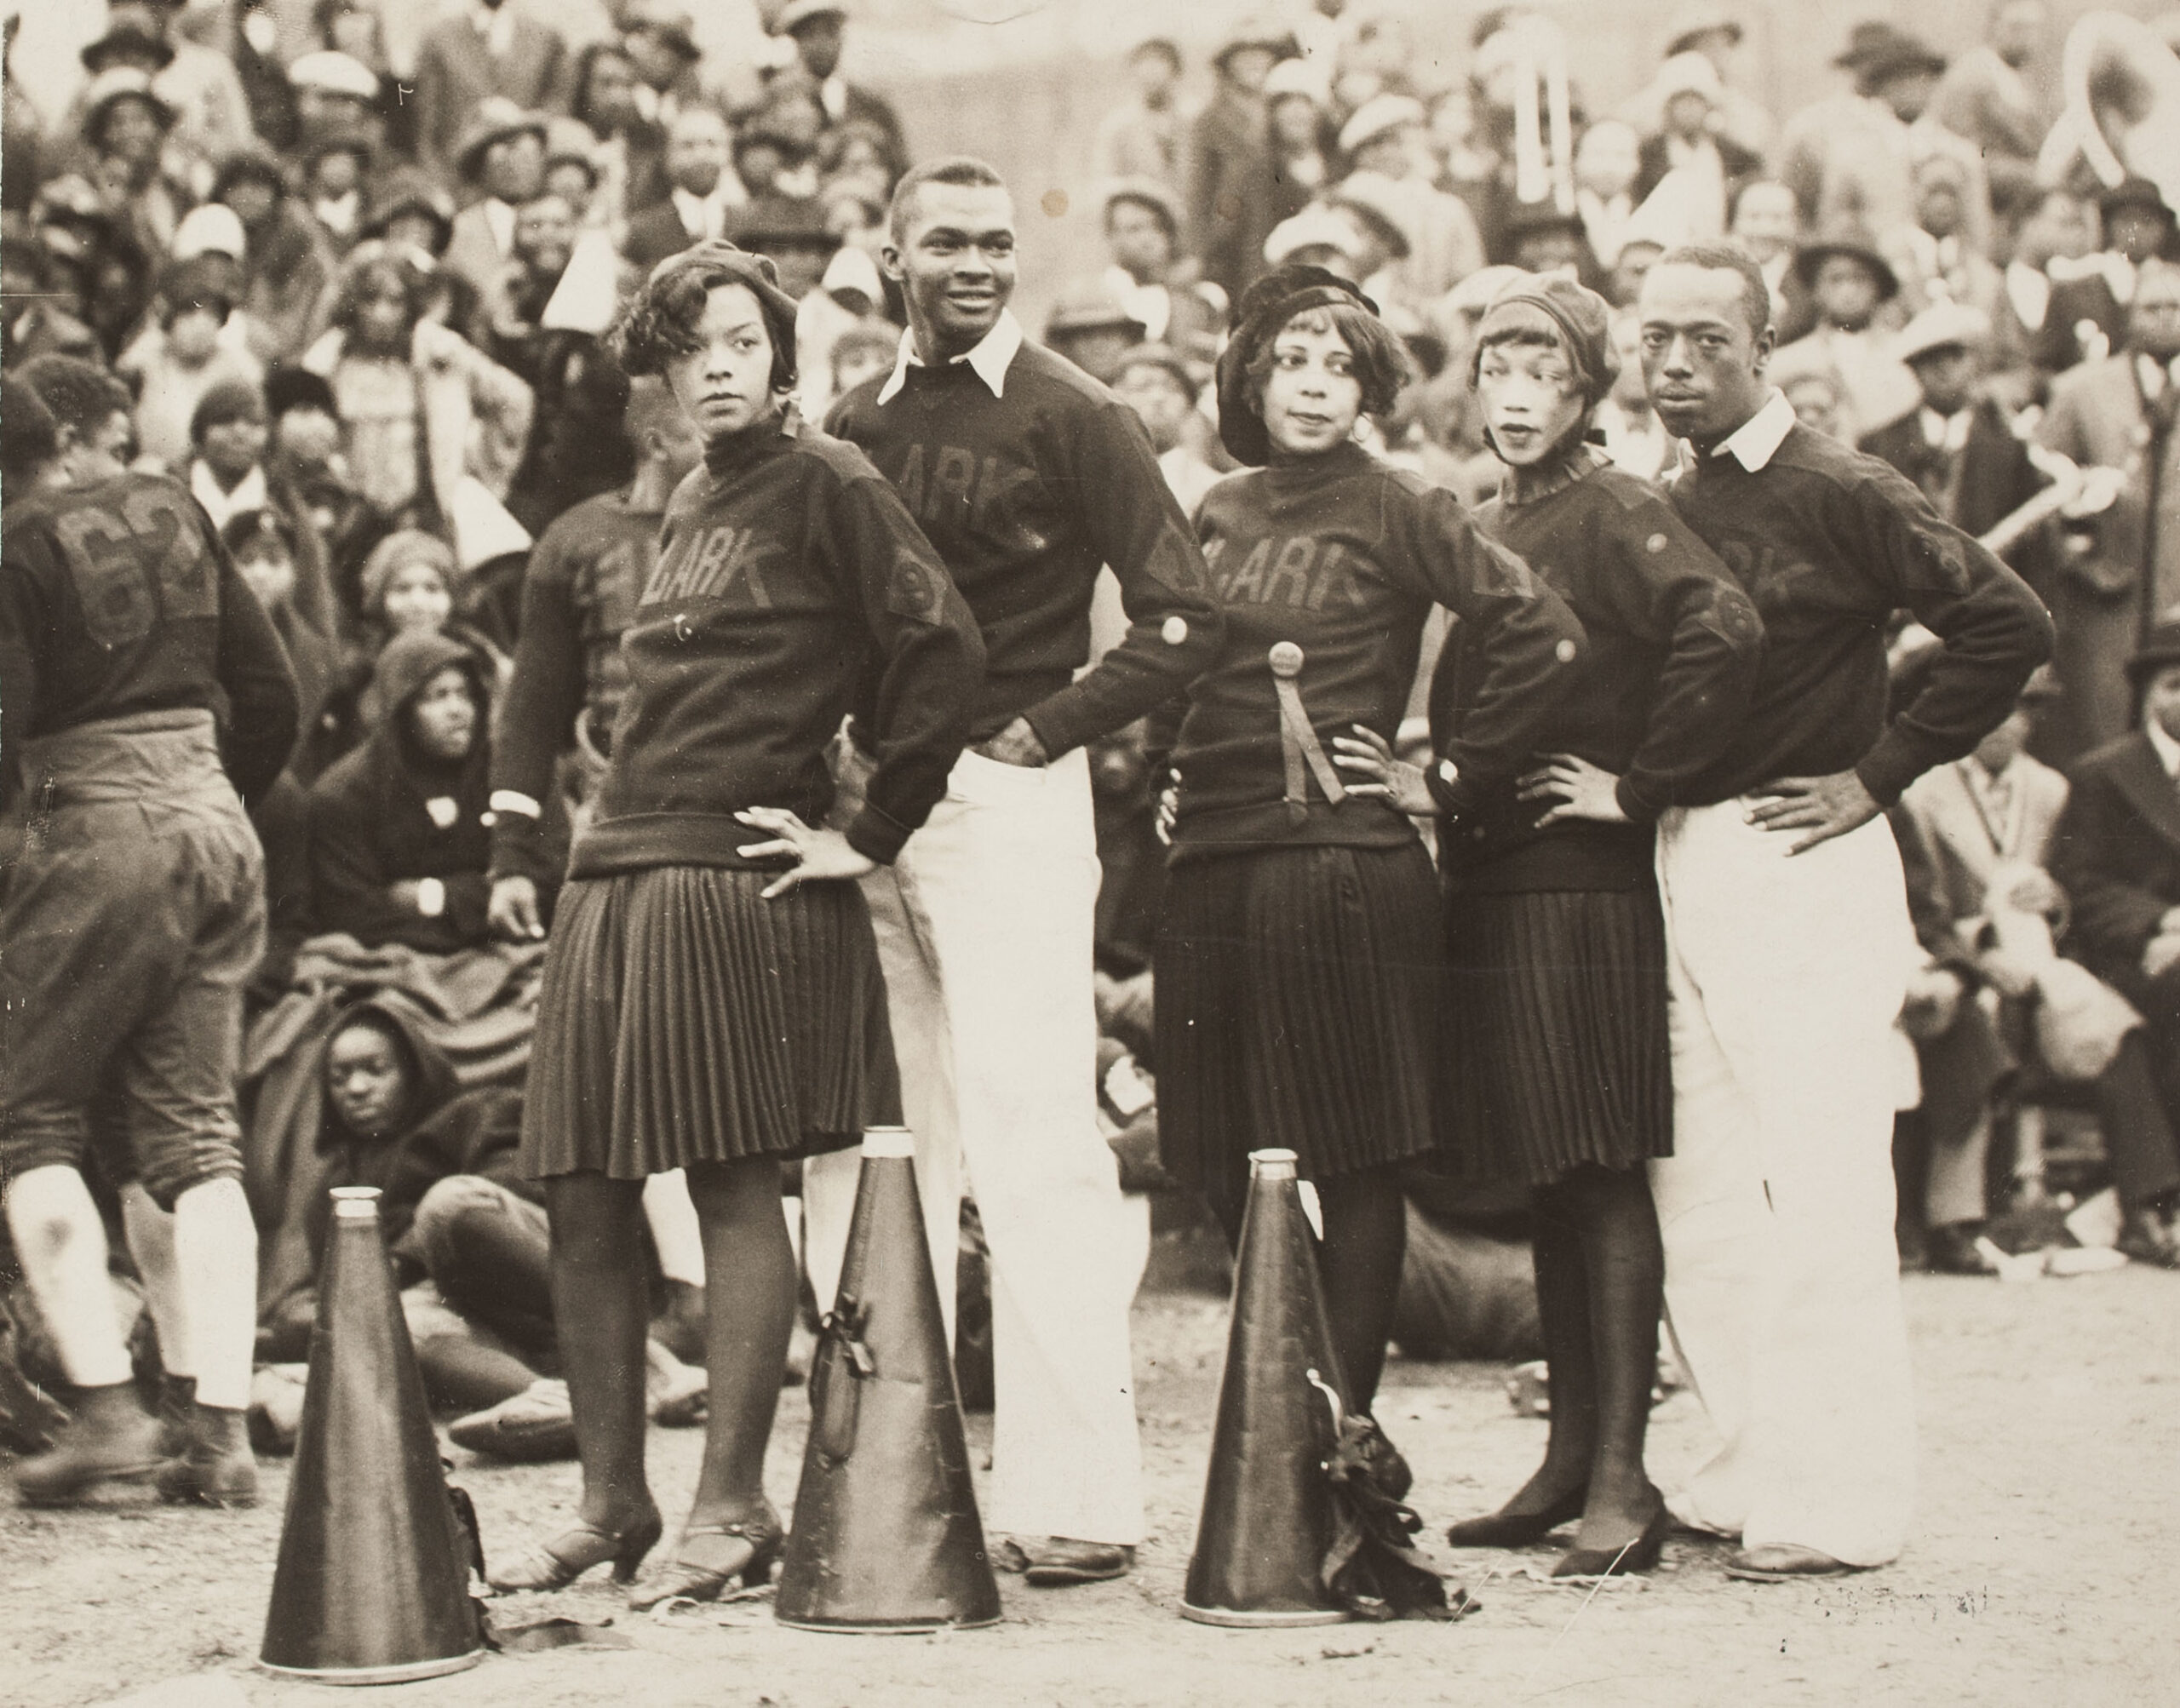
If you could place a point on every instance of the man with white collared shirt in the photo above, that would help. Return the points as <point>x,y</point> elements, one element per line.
<point>704,192</point>
<point>817,29</point>
<point>1027,475</point>
<point>487,49</point>
<point>1788,944</point>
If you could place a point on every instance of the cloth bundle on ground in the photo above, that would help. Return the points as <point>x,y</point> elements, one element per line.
<point>1374,1565</point>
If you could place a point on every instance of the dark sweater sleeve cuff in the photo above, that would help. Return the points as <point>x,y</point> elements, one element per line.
<point>1056,731</point>
<point>1888,767</point>
<point>876,836</point>
<point>519,848</point>
<point>1452,792</point>
<point>1639,809</point>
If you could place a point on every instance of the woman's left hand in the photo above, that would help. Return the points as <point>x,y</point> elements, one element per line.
<point>1399,784</point>
<point>818,855</point>
<point>1583,791</point>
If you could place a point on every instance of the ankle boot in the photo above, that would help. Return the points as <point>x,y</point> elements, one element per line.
<point>110,1436</point>
<point>216,1467</point>
<point>177,1400</point>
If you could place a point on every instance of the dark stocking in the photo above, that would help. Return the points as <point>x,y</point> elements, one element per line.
<point>461,1371</point>
<point>1623,1266</point>
<point>749,1291</point>
<point>599,1302</point>
<point>1366,1238</point>
<point>1562,1307</point>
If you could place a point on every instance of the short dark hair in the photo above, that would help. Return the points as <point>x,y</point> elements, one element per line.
<point>29,435</point>
<point>79,394</point>
<point>1755,294</point>
<point>1143,198</point>
<point>1382,364</point>
<point>660,321</point>
<point>231,400</point>
<point>964,170</point>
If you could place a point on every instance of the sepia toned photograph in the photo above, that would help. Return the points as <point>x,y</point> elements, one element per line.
<point>1080,852</point>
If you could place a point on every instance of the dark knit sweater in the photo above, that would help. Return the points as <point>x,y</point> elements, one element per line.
<point>579,593</point>
<point>1830,543</point>
<point>1344,556</point>
<point>1674,649</point>
<point>1024,496</point>
<point>790,577</point>
<point>118,598</point>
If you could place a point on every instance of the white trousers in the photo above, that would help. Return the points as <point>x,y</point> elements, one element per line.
<point>985,929</point>
<point>1782,1280</point>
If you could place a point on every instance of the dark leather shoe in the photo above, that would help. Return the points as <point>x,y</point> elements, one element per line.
<point>1951,1251</point>
<point>110,1438</point>
<point>1061,1559</point>
<point>1637,1558</point>
<point>1782,1563</point>
<point>528,1428</point>
<point>1504,1529</point>
<point>217,1467</point>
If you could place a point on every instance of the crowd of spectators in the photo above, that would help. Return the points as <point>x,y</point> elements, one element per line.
<point>360,317</point>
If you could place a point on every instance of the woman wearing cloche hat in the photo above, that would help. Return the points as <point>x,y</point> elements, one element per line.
<point>1298,974</point>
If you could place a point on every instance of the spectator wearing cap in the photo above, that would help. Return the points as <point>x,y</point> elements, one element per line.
<point>1321,235</point>
<point>409,211</point>
<point>1146,275</point>
<point>501,158</point>
<point>355,30</point>
<point>1853,157</point>
<point>1162,387</point>
<point>1386,165</point>
<point>1957,445</point>
<point>335,190</point>
<point>338,95</point>
<point>1993,96</point>
<point>1094,332</point>
<point>2138,225</point>
<point>1228,165</point>
<point>1303,139</point>
<point>182,357</point>
<point>1711,166</point>
<point>2122,568</point>
<point>573,169</point>
<point>199,83</point>
<point>1541,238</point>
<point>1939,262</point>
<point>1141,138</point>
<point>660,37</point>
<point>1715,31</point>
<point>1849,281</point>
<point>287,262</point>
<point>703,190</point>
<point>818,30</point>
<point>793,231</point>
<point>125,128</point>
<point>487,50</point>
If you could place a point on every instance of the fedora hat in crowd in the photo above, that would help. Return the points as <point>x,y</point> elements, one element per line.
<point>497,119</point>
<point>1944,325</point>
<point>1846,239</point>
<point>1876,51</point>
<point>1692,23</point>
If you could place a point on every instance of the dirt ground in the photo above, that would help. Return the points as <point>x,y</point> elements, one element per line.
<point>2043,1569</point>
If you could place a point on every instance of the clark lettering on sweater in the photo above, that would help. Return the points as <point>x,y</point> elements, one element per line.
<point>1025,494</point>
<point>118,598</point>
<point>1344,556</point>
<point>1830,543</point>
<point>579,594</point>
<point>789,575</point>
<point>1674,649</point>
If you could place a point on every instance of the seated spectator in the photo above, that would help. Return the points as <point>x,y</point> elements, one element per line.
<point>488,54</point>
<point>281,565</point>
<point>1156,381</point>
<point>398,838</point>
<point>1304,138</point>
<point>818,30</point>
<point>353,29</point>
<point>772,161</point>
<point>1634,437</point>
<point>335,181</point>
<point>102,273</point>
<point>1767,222</point>
<point>409,211</point>
<point>1606,161</point>
<point>631,151</point>
<point>864,352</point>
<point>571,168</point>
<point>1147,277</point>
<point>502,162</point>
<point>2116,855</point>
<point>2057,308</point>
<point>1817,401</point>
<point>793,231</point>
<point>181,358</point>
<point>339,94</point>
<point>1093,333</point>
<point>38,314</point>
<point>1384,138</point>
<point>287,262</point>
<point>466,1233</point>
<point>702,190</point>
<point>1707,169</point>
<point>1849,281</point>
<point>1141,138</point>
<point>421,410</point>
<point>1943,264</point>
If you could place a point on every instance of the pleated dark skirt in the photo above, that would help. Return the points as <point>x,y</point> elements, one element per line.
<point>1557,1045</point>
<point>683,1019</point>
<point>1299,1007</point>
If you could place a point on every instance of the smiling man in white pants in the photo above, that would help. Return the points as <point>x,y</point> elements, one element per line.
<point>1788,939</point>
<point>1027,475</point>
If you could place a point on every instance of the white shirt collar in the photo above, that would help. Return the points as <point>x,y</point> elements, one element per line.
<point>1945,433</point>
<point>223,508</point>
<point>833,96</point>
<point>2168,750</point>
<point>1757,440</point>
<point>991,358</point>
<point>499,220</point>
<point>2029,289</point>
<point>1149,306</point>
<point>702,216</point>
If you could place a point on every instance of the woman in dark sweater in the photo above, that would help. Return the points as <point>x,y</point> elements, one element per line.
<point>1297,964</point>
<point>1554,937</point>
<point>711,998</point>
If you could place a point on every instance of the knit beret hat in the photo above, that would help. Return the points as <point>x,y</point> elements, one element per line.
<point>1266,306</point>
<point>396,552</point>
<point>1582,318</point>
